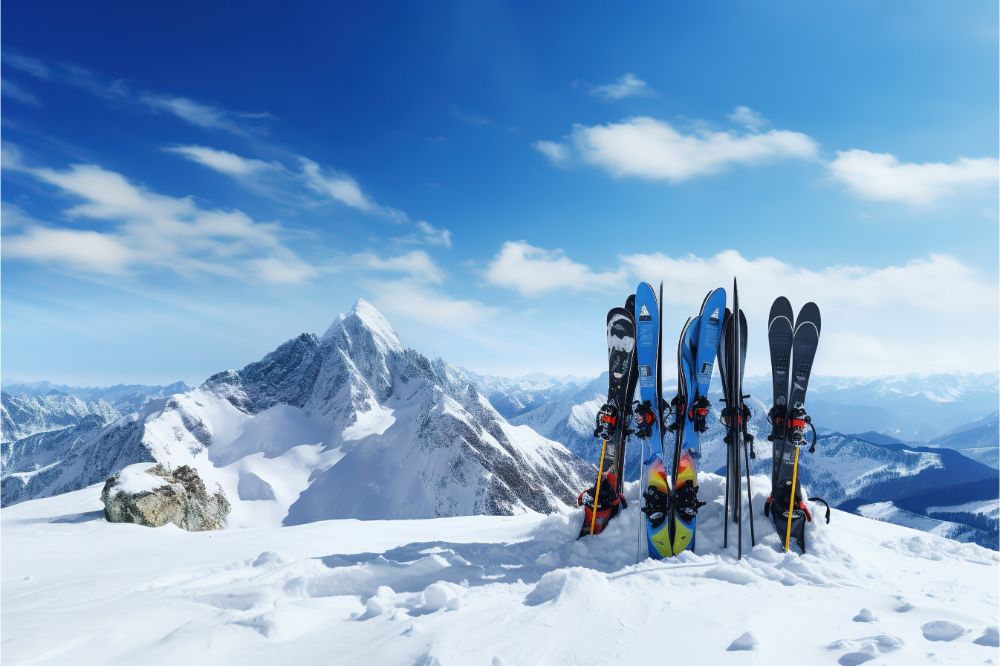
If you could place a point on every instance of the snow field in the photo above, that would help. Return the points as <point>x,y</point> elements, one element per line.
<point>486,590</point>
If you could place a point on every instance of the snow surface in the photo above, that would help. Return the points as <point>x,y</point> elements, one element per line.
<point>134,479</point>
<point>484,589</point>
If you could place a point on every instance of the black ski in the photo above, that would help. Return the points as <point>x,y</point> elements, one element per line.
<point>612,424</point>
<point>786,506</point>
<point>735,416</point>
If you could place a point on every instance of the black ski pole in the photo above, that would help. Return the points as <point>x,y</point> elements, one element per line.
<point>753,539</point>
<point>725,515</point>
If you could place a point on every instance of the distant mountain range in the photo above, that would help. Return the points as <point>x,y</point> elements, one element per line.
<point>29,408</point>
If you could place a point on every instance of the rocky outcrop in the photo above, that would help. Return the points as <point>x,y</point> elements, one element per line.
<point>159,496</point>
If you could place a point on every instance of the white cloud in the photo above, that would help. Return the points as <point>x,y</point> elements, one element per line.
<point>195,113</point>
<point>434,235</point>
<point>191,111</point>
<point>18,94</point>
<point>533,271</point>
<point>89,251</point>
<point>876,320</point>
<point>747,117</point>
<point>652,149</point>
<point>417,264</point>
<point>338,186</point>
<point>417,302</point>
<point>27,64</point>
<point>147,230</point>
<point>882,177</point>
<point>929,314</point>
<point>345,189</point>
<point>558,153</point>
<point>627,85</point>
<point>223,161</point>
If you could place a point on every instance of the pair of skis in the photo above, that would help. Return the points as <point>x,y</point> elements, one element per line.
<point>602,502</point>
<point>735,416</point>
<point>671,510</point>
<point>793,346</point>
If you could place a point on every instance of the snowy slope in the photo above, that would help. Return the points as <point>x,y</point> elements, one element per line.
<point>484,590</point>
<point>891,513</point>
<point>352,424</point>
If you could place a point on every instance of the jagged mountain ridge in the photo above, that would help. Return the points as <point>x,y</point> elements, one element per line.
<point>351,424</point>
<point>29,408</point>
<point>22,414</point>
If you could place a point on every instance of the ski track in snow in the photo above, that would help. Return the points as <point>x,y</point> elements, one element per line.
<point>485,590</point>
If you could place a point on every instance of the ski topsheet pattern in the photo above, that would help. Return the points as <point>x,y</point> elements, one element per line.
<point>612,424</point>
<point>697,349</point>
<point>791,361</point>
<point>656,487</point>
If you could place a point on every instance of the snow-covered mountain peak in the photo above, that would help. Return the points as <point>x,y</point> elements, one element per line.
<point>364,324</point>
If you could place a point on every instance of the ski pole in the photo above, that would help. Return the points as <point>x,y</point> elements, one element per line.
<point>642,480</point>
<point>597,489</point>
<point>725,515</point>
<point>791,502</point>
<point>736,500</point>
<point>753,539</point>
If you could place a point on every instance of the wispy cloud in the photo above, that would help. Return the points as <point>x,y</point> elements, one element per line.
<point>747,117</point>
<point>882,177</point>
<point>557,153</point>
<point>18,94</point>
<point>308,183</point>
<point>344,188</point>
<point>199,114</point>
<point>416,301</point>
<point>340,187</point>
<point>627,85</point>
<point>469,117</point>
<point>652,149</point>
<point>27,64</point>
<point>533,271</point>
<point>224,161</point>
<point>416,264</point>
<point>195,113</point>
<point>149,231</point>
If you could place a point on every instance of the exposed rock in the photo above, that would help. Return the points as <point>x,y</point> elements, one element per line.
<point>158,496</point>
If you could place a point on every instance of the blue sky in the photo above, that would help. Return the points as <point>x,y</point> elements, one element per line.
<point>186,186</point>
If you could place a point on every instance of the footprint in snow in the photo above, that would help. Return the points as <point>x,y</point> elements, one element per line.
<point>990,637</point>
<point>904,606</point>
<point>864,649</point>
<point>745,642</point>
<point>942,630</point>
<point>865,615</point>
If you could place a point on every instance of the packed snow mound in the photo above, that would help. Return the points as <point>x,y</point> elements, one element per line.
<point>350,425</point>
<point>431,591</point>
